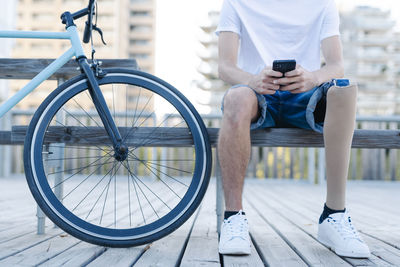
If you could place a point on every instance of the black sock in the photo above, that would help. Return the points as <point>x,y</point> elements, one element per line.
<point>228,214</point>
<point>327,211</point>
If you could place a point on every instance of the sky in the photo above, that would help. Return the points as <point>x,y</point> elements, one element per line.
<point>177,41</point>
<point>177,36</point>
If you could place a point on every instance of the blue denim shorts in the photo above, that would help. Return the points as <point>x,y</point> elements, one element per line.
<point>286,110</point>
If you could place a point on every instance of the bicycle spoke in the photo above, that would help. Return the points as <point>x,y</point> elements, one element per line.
<point>144,108</point>
<point>87,114</point>
<point>62,159</point>
<point>129,198</point>
<point>137,196</point>
<point>115,199</point>
<point>171,168</point>
<point>168,167</point>
<point>148,116</point>
<point>161,180</point>
<point>151,191</point>
<point>80,124</point>
<point>166,160</point>
<point>113,100</point>
<point>158,126</point>
<point>82,147</point>
<point>76,173</point>
<point>149,137</point>
<point>137,103</point>
<point>80,168</point>
<point>137,178</point>
<point>130,130</point>
<point>161,165</point>
<point>102,192</point>
<point>82,181</point>
<point>94,187</point>
<point>108,187</point>
<point>126,106</point>
<point>170,177</point>
<point>96,202</point>
<point>99,148</point>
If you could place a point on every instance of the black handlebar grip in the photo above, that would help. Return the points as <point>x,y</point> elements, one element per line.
<point>86,33</point>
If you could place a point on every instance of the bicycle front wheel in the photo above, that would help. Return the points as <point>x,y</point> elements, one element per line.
<point>78,182</point>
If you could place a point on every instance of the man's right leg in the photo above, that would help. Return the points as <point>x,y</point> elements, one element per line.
<point>240,108</point>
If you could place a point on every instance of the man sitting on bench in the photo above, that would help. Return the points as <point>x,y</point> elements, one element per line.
<point>252,34</point>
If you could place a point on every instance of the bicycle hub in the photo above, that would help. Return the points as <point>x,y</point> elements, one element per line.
<point>121,152</point>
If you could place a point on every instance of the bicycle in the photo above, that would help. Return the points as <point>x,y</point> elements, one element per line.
<point>100,154</point>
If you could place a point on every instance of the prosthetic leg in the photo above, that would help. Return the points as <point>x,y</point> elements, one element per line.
<point>338,135</point>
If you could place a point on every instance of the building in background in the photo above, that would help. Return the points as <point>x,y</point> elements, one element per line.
<point>371,54</point>
<point>211,88</point>
<point>128,27</point>
<point>396,66</point>
<point>7,22</point>
<point>142,21</point>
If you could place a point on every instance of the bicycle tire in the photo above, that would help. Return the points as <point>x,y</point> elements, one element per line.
<point>42,145</point>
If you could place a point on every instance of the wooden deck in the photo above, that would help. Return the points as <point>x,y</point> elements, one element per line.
<point>283,223</point>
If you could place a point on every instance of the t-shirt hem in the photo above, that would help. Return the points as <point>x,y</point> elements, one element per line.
<point>227,29</point>
<point>327,35</point>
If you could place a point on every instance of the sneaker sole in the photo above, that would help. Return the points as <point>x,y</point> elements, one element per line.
<point>344,253</point>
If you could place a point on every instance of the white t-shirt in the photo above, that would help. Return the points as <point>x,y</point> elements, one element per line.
<point>279,29</point>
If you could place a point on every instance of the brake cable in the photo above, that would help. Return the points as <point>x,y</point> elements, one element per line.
<point>95,64</point>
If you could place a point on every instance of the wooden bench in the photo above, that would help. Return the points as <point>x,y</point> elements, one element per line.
<point>275,137</point>
<point>26,69</point>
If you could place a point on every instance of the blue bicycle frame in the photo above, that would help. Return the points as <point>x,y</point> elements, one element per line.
<point>75,51</point>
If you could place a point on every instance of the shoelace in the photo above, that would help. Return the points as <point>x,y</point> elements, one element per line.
<point>236,228</point>
<point>345,227</point>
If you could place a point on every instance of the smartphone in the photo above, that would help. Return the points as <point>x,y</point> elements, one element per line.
<point>284,65</point>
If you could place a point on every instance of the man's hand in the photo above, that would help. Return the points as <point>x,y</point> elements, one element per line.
<point>263,84</point>
<point>297,81</point>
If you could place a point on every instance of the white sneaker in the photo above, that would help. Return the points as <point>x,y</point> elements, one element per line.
<point>338,233</point>
<point>235,238</point>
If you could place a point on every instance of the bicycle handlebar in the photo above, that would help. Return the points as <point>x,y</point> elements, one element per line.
<point>89,11</point>
<point>79,14</point>
<point>87,33</point>
<point>89,23</point>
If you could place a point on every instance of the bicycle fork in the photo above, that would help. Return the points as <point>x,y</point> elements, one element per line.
<point>120,149</point>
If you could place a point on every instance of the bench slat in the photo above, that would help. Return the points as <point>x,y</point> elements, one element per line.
<point>22,68</point>
<point>291,137</point>
<point>174,137</point>
<point>5,138</point>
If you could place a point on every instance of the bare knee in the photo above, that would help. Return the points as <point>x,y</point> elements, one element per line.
<point>240,106</point>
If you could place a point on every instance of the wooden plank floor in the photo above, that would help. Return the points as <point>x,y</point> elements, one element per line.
<point>283,219</point>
